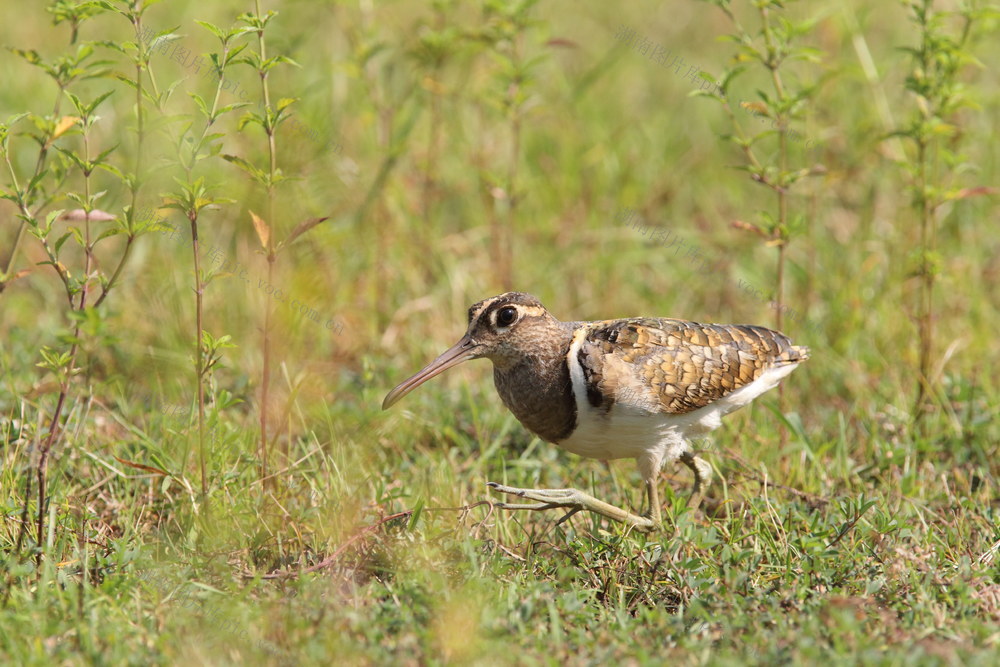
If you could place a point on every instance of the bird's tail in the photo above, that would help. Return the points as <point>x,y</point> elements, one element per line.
<point>794,354</point>
<point>776,346</point>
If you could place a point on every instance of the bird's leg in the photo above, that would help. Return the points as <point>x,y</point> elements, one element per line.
<point>574,501</point>
<point>653,496</point>
<point>702,476</point>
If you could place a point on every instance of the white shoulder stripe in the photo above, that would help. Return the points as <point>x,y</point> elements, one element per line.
<point>576,375</point>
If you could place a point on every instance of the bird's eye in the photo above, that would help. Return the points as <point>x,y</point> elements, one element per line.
<point>506,316</point>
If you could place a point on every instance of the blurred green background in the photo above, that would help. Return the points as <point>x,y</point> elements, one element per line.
<point>406,134</point>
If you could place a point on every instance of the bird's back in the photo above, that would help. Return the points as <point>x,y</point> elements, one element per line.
<point>640,381</point>
<point>675,366</point>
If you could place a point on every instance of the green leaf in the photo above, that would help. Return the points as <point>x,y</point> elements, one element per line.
<point>240,32</point>
<point>97,161</point>
<point>109,232</point>
<point>98,100</point>
<point>80,107</point>
<point>256,173</point>
<point>78,236</point>
<point>231,107</point>
<point>81,165</point>
<point>214,136</point>
<point>59,243</point>
<point>115,46</point>
<point>36,179</point>
<point>270,63</point>
<point>212,29</point>
<point>217,64</point>
<point>30,55</point>
<point>50,219</point>
<point>112,169</point>
<point>248,118</point>
<point>201,104</point>
<point>415,516</point>
<point>286,102</point>
<point>124,79</point>
<point>16,118</point>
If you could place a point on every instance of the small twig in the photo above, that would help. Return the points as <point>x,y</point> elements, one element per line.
<point>845,530</point>
<point>463,508</point>
<point>510,553</point>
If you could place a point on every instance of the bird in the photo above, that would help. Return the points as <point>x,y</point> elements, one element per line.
<point>638,387</point>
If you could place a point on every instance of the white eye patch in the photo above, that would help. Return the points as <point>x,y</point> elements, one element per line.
<point>495,318</point>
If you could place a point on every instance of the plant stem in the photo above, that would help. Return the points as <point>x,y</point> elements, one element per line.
<point>773,62</point>
<point>141,63</point>
<point>266,376</point>
<point>925,302</point>
<point>270,130</point>
<point>199,350</point>
<point>200,360</point>
<point>43,456</point>
<point>925,299</point>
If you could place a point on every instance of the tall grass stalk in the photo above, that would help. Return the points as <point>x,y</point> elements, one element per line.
<point>191,199</point>
<point>270,129</point>
<point>934,130</point>
<point>773,46</point>
<point>274,114</point>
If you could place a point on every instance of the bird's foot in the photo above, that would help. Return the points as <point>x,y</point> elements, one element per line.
<point>702,477</point>
<point>574,500</point>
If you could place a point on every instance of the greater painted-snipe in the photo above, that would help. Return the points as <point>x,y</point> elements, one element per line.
<point>637,388</point>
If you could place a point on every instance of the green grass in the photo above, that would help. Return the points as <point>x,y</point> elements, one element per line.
<point>865,544</point>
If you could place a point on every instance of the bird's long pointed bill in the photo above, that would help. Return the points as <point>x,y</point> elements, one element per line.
<point>461,351</point>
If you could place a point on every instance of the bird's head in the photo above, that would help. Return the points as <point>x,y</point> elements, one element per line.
<point>503,329</point>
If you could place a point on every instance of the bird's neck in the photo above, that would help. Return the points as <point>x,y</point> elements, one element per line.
<point>538,390</point>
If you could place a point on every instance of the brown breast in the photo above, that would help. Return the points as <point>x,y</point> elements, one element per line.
<point>539,393</point>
